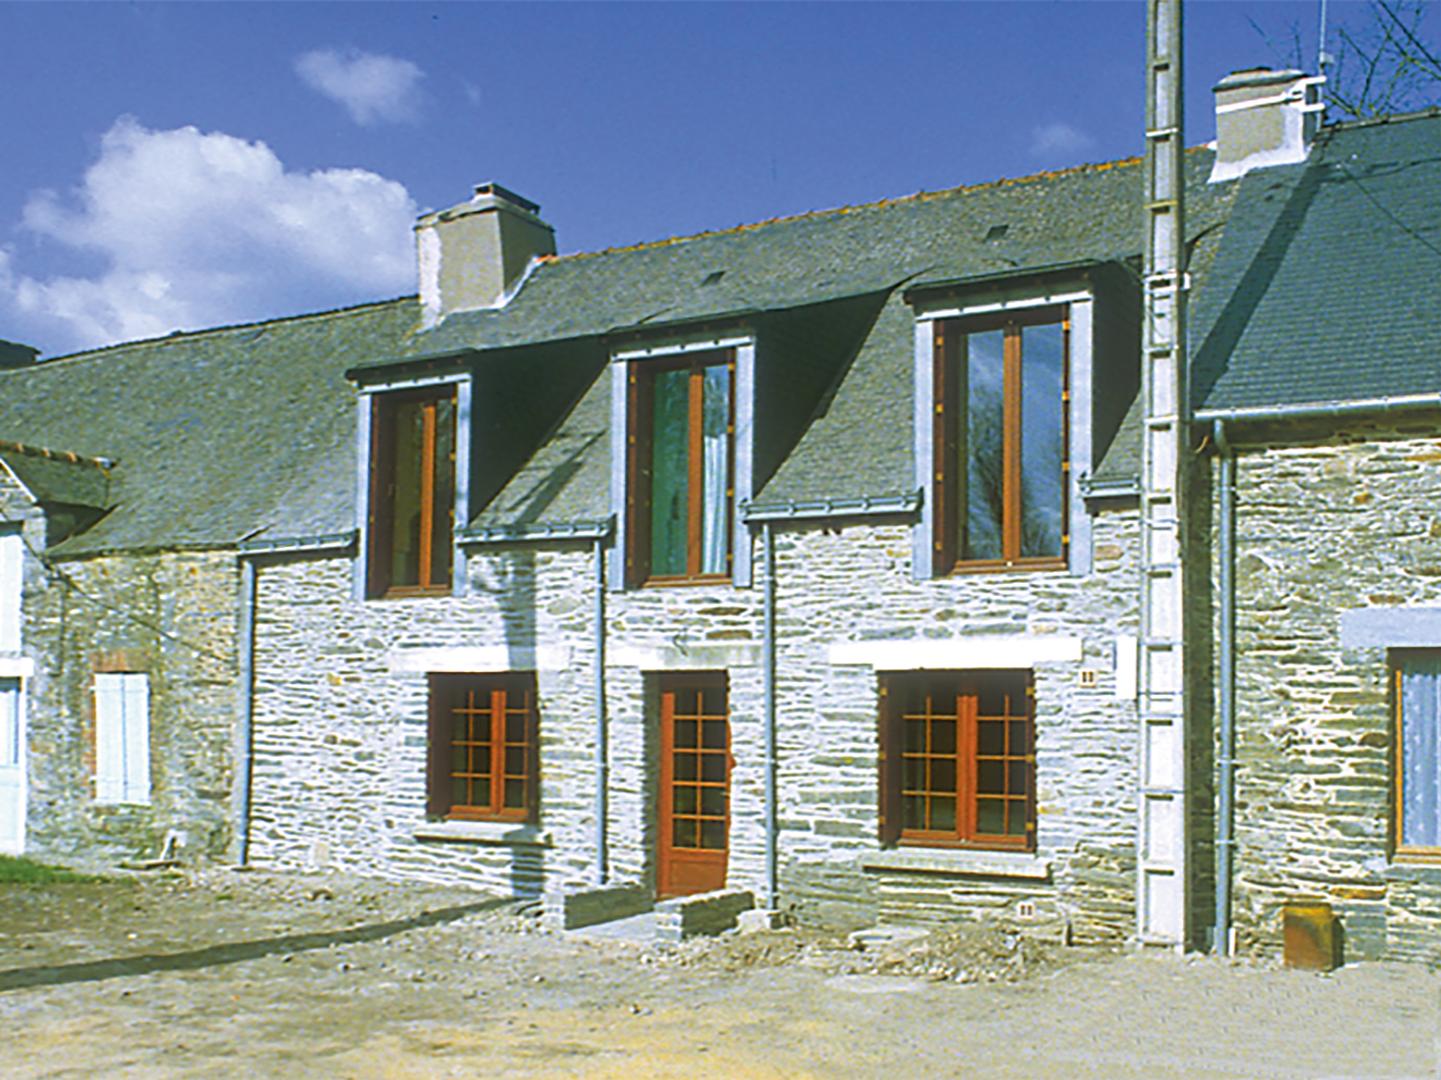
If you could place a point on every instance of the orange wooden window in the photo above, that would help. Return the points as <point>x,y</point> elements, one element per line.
<point>483,747</point>
<point>1001,428</point>
<point>957,759</point>
<point>681,483</point>
<point>412,492</point>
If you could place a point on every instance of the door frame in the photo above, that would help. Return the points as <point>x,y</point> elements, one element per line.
<point>668,857</point>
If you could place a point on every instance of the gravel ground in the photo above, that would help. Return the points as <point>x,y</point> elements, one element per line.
<point>223,973</point>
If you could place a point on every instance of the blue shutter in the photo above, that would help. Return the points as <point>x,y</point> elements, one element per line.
<point>1421,752</point>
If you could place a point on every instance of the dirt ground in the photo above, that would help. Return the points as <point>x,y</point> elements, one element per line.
<point>246,974</point>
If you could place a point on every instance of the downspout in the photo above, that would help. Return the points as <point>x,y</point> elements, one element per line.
<point>602,754</point>
<point>768,652</point>
<point>1226,689</point>
<point>246,708</point>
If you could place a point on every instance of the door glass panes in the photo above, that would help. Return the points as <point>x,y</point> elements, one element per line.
<point>715,468</point>
<point>982,444</point>
<point>670,471</point>
<point>1042,439</point>
<point>700,758</point>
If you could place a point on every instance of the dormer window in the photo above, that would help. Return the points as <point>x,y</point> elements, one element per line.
<point>1001,461</point>
<point>412,493</point>
<point>681,462</point>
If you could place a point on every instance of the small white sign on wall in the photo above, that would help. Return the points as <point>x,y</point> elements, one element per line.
<point>1127,656</point>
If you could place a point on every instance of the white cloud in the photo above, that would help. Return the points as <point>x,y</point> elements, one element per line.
<point>1059,139</point>
<point>371,87</point>
<point>194,229</point>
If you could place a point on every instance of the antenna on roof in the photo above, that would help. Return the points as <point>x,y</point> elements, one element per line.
<point>1323,60</point>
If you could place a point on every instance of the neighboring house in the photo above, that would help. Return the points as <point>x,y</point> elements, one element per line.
<point>801,558</point>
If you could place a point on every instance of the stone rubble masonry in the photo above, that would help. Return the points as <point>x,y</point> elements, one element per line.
<point>340,734</point>
<point>171,615</point>
<point>1323,527</point>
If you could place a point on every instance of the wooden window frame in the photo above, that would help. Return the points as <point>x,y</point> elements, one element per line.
<point>966,687</point>
<point>383,492</point>
<point>479,695</point>
<point>949,494</point>
<point>1397,664</point>
<point>640,388</point>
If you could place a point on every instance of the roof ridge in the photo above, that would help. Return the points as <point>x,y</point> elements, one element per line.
<point>852,208</point>
<point>1430,112</point>
<point>189,335</point>
<point>69,456</point>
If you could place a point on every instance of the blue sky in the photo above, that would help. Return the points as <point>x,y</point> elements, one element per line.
<point>178,165</point>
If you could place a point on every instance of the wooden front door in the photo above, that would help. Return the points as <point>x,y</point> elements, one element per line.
<point>695,768</point>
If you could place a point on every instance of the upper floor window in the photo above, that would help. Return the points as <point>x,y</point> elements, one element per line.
<point>1417,695</point>
<point>681,462</point>
<point>958,759</point>
<point>412,494</point>
<point>1001,428</point>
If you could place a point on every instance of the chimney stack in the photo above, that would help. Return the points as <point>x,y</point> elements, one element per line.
<point>1264,118</point>
<point>472,255</point>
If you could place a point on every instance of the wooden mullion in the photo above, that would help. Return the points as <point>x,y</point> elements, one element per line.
<point>946,522</point>
<point>966,746</point>
<point>382,495</point>
<point>638,481</point>
<point>1011,445</point>
<point>1066,435</point>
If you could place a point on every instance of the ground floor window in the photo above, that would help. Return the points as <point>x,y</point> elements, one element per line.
<point>957,759</point>
<point>122,737</point>
<point>483,753</point>
<point>1417,695</point>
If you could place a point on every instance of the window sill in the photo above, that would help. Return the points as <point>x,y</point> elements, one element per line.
<point>1015,566</point>
<point>499,833</point>
<point>962,863</point>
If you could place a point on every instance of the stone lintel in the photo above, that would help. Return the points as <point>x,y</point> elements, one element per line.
<point>1391,628</point>
<point>968,652</point>
<point>478,658</point>
<point>698,657</point>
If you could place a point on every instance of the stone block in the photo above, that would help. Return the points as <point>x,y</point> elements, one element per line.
<point>703,913</point>
<point>590,907</point>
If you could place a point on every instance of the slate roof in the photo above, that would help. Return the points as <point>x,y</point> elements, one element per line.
<point>859,443</point>
<point>1327,284</point>
<point>216,435</point>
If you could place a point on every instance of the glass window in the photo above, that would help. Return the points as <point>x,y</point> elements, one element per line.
<point>1001,475</point>
<point>1418,760</point>
<point>957,766</point>
<point>483,747</point>
<point>681,468</point>
<point>412,492</point>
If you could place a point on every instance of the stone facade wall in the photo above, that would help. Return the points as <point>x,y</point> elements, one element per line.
<point>340,721</point>
<point>172,616</point>
<point>1324,527</point>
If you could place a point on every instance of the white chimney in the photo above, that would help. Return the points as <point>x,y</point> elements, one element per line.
<point>472,255</point>
<point>1264,118</point>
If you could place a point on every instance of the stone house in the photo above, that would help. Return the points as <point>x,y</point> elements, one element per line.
<point>802,558</point>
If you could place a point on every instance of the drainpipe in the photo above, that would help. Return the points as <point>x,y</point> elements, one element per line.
<point>768,650</point>
<point>246,709</point>
<point>1226,690</point>
<point>602,755</point>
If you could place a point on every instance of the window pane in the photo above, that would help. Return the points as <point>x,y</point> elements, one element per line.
<point>981,445</point>
<point>714,733</point>
<point>1016,818</point>
<point>991,777</point>
<point>1042,442</point>
<point>685,767</point>
<point>515,794</point>
<point>684,832</point>
<point>913,812</point>
<point>943,774</point>
<point>515,761</point>
<point>683,799</point>
<point>1420,759</point>
<point>990,737</point>
<point>444,501</point>
<point>712,834</point>
<point>713,767</point>
<point>715,468</point>
<point>990,816</point>
<point>943,737</point>
<point>669,484</point>
<point>685,733</point>
<point>408,431</point>
<point>943,814</point>
<point>515,727</point>
<point>914,775</point>
<point>915,736</point>
<point>1019,771</point>
<point>713,801</point>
